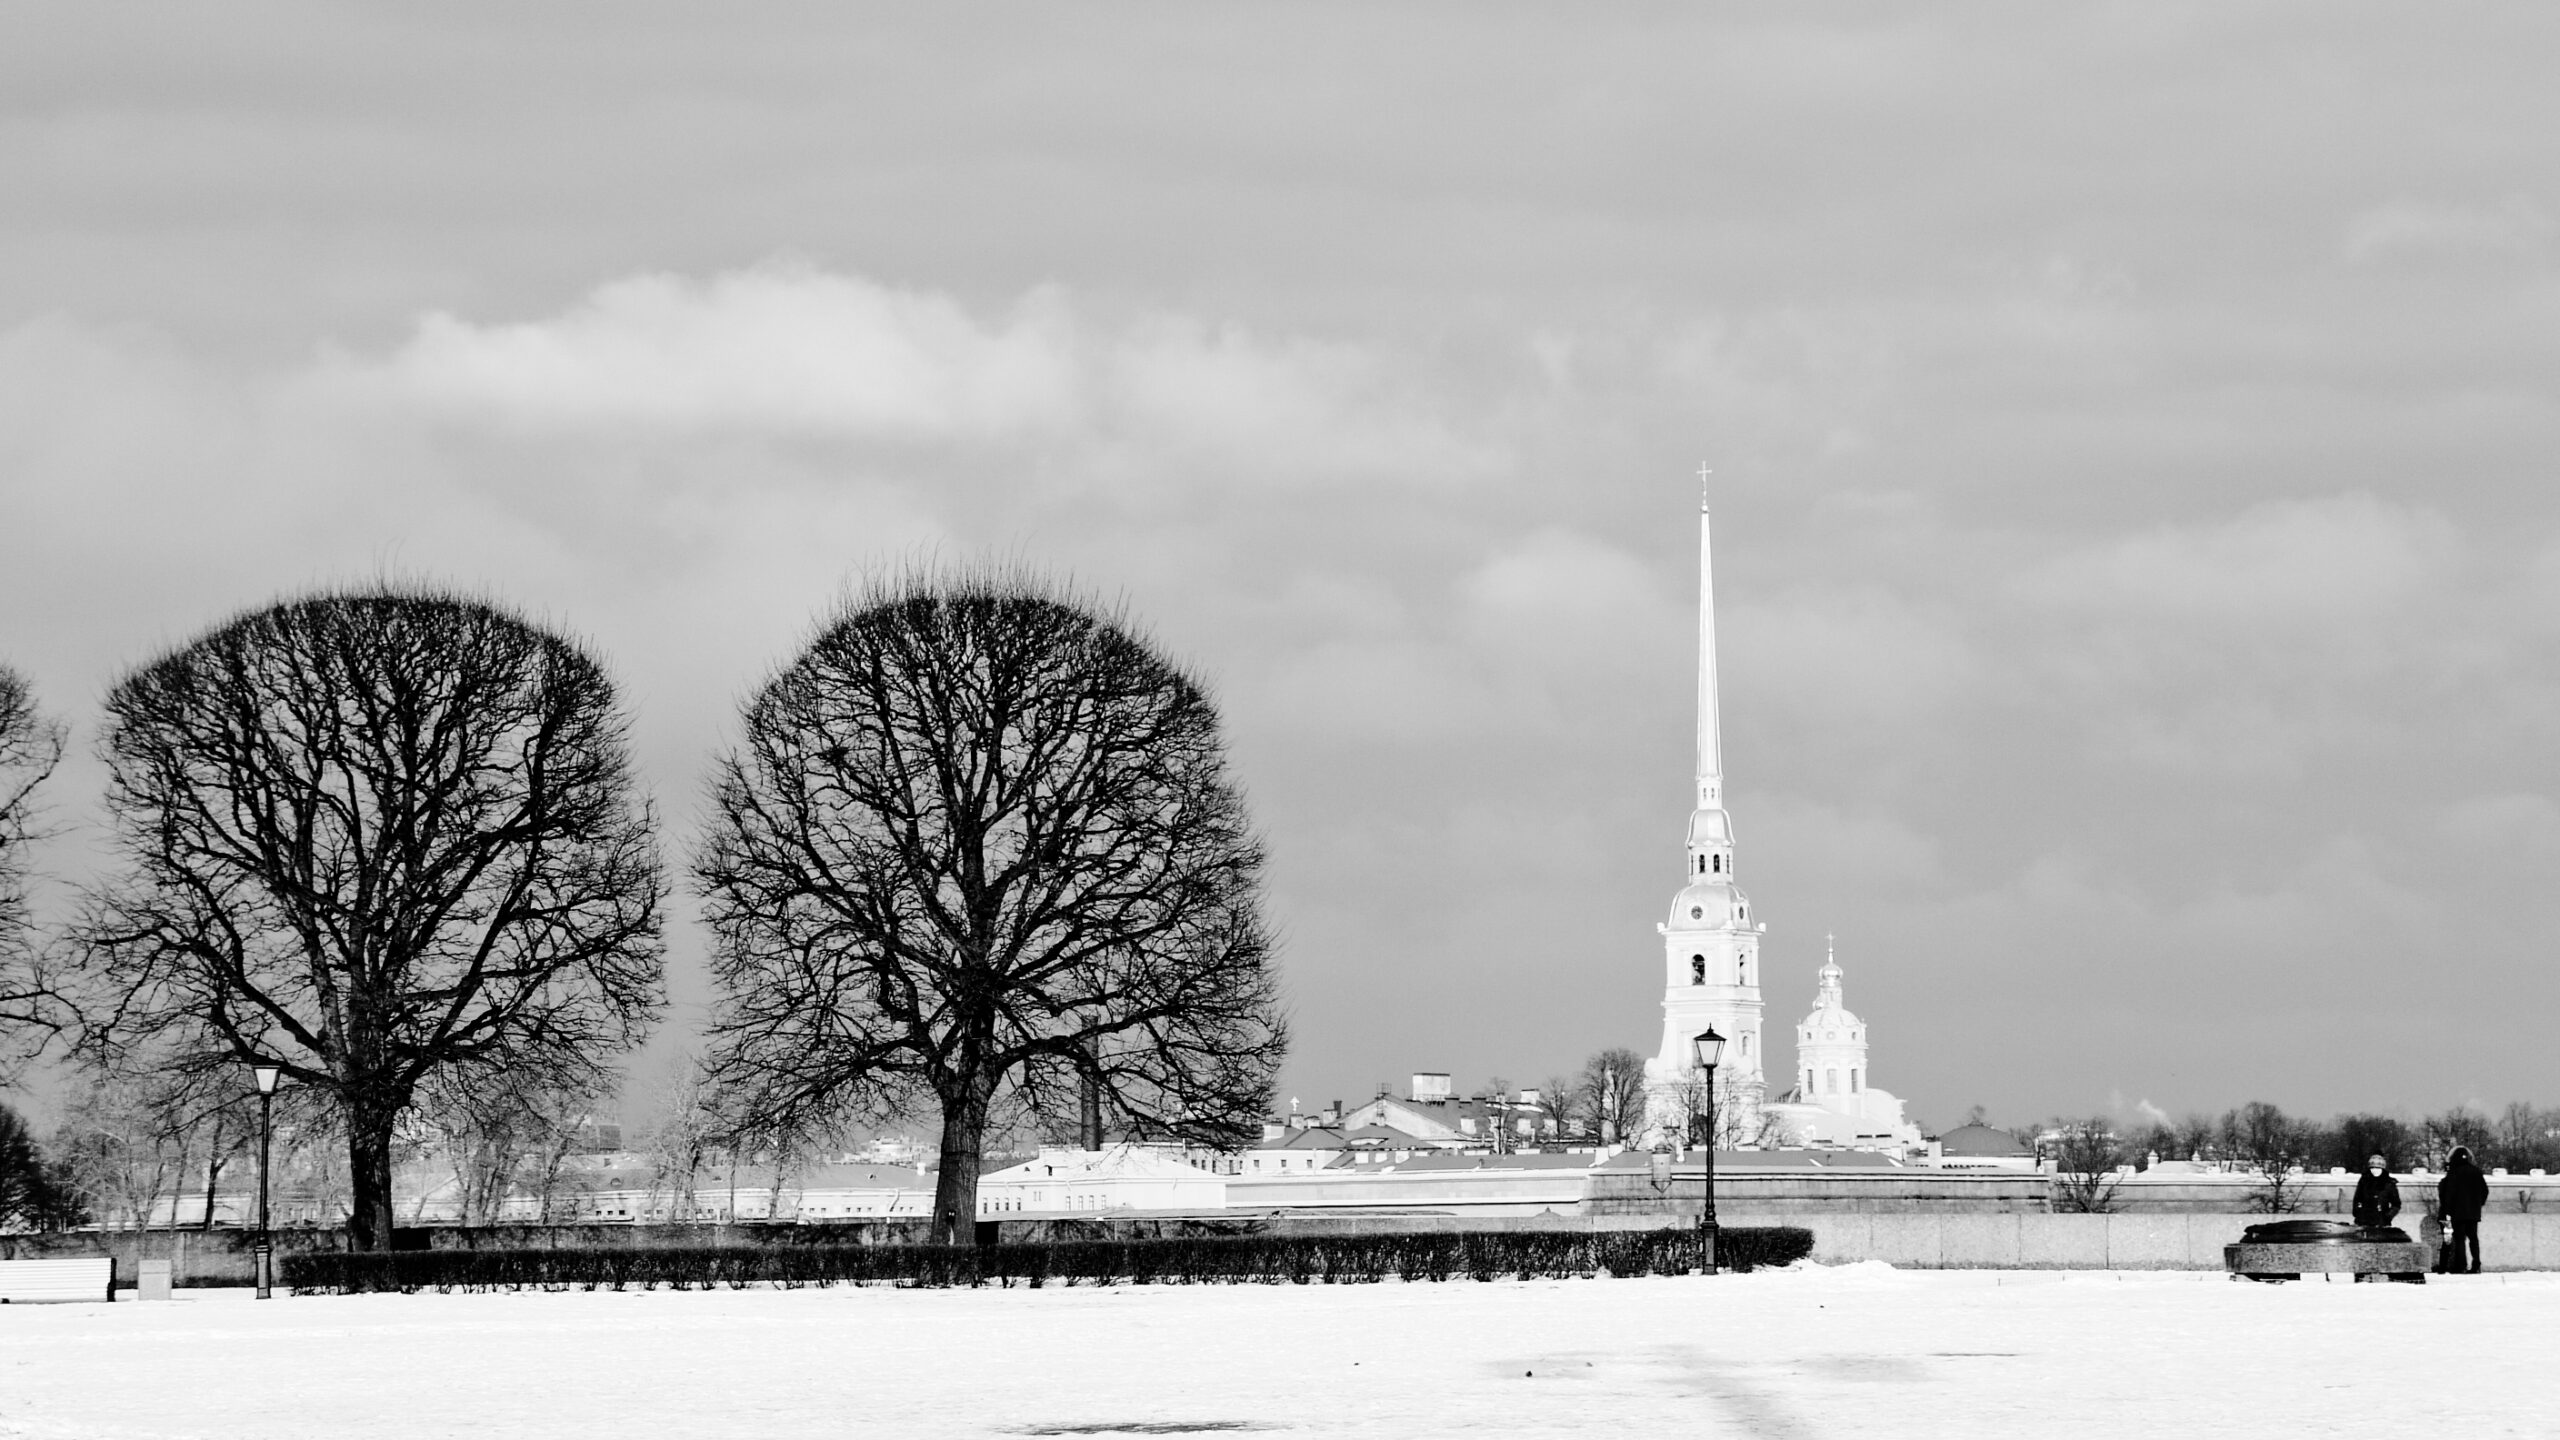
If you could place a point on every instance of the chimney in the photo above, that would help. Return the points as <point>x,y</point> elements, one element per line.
<point>1089,1115</point>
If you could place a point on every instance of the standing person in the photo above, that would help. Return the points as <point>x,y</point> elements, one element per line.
<point>2461,1195</point>
<point>2377,1194</point>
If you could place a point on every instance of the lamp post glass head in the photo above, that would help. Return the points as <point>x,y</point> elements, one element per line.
<point>267,1077</point>
<point>1709,1047</point>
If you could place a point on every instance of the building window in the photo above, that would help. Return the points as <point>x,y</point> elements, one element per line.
<point>1719,864</point>
<point>1830,1082</point>
<point>1697,969</point>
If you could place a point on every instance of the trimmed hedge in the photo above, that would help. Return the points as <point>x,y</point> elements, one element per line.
<point>1226,1259</point>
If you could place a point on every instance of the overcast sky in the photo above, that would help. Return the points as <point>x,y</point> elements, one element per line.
<point>2134,433</point>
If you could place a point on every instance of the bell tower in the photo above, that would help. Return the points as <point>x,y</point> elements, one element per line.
<point>1711,943</point>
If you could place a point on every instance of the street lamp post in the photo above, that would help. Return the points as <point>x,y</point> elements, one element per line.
<point>1709,1049</point>
<point>267,1075</point>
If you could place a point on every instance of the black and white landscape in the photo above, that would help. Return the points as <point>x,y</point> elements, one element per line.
<point>491,497</point>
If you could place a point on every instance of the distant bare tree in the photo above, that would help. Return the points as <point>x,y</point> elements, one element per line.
<point>683,1129</point>
<point>2274,1146</point>
<point>33,1195</point>
<point>1727,1117</point>
<point>372,838</point>
<point>506,1131</point>
<point>1558,1111</point>
<point>2085,1156</point>
<point>2526,1138</point>
<point>981,847</point>
<point>1611,1092</point>
<point>2440,1135</point>
<point>30,747</point>
<point>120,1152</point>
<point>2353,1137</point>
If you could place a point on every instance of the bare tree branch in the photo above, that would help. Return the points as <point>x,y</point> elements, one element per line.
<point>31,1009</point>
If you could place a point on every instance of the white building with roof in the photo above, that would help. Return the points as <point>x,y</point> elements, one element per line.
<point>1832,1101</point>
<point>1083,1182</point>
<point>1711,943</point>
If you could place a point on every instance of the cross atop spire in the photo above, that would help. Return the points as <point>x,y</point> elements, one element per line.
<point>1703,482</point>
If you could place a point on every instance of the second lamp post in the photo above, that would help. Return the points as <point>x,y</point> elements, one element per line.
<point>267,1076</point>
<point>1708,1047</point>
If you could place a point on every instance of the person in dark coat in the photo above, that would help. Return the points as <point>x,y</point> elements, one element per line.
<point>2462,1194</point>
<point>2377,1194</point>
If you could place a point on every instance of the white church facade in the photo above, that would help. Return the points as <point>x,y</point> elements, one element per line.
<point>1832,1102</point>
<point>1711,979</point>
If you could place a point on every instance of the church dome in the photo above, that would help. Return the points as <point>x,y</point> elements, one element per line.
<point>1835,1017</point>
<point>1711,904</point>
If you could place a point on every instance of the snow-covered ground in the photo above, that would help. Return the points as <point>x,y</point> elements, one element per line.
<point>1858,1350</point>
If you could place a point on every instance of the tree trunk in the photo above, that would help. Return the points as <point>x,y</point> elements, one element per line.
<point>955,1187</point>
<point>369,1174</point>
<point>212,1178</point>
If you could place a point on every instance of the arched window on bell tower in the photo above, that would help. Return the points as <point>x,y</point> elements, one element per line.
<point>1697,969</point>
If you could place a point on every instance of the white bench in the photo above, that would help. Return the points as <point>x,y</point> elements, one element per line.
<point>24,1281</point>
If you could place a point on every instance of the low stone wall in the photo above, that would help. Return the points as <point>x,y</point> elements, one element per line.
<point>2104,1242</point>
<point>1788,1194</point>
<point>1776,1196</point>
<point>196,1257</point>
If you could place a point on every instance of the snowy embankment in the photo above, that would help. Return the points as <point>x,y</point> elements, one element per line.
<point>1854,1350</point>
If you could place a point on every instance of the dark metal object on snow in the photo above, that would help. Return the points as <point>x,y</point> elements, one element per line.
<point>2290,1249</point>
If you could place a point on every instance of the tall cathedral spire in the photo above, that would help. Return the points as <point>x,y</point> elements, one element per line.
<point>1710,829</point>
<point>1710,723</point>
<point>1711,945</point>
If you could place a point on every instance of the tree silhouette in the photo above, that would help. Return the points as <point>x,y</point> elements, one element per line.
<point>30,746</point>
<point>374,839</point>
<point>980,845</point>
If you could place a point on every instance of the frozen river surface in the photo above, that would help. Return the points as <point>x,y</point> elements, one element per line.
<point>1853,1351</point>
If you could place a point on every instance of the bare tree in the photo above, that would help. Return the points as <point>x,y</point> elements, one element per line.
<point>1559,1109</point>
<point>2274,1146</point>
<point>2525,1137</point>
<point>682,1132</point>
<point>30,747</point>
<point>123,1151</point>
<point>507,1131</point>
<point>2354,1137</point>
<point>2440,1135</point>
<point>1739,1120</point>
<point>1611,1089</point>
<point>1726,1116</point>
<point>33,1192</point>
<point>372,838</point>
<point>2085,1156</point>
<point>980,847</point>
